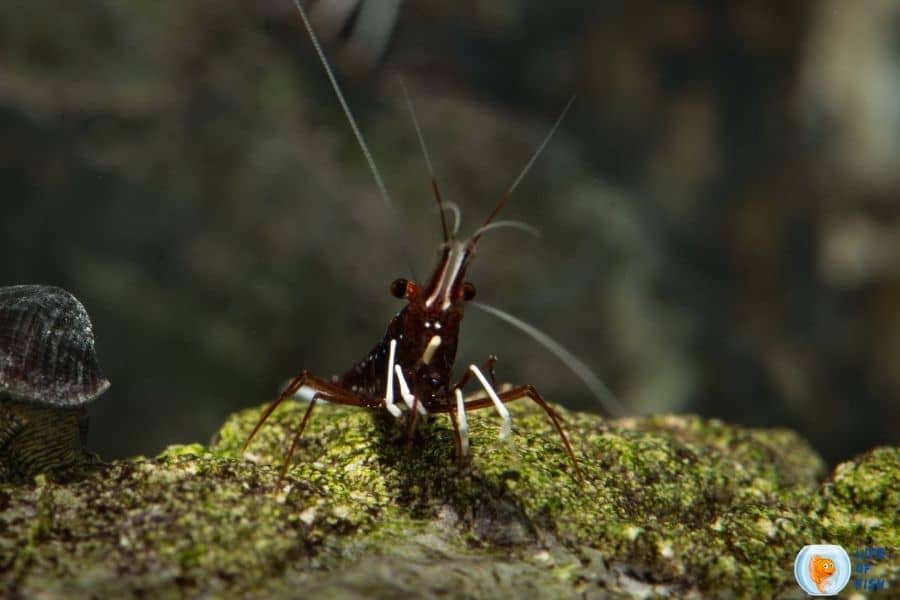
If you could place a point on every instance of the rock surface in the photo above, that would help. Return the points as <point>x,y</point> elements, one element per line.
<point>672,505</point>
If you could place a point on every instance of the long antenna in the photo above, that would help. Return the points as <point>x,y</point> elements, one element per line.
<point>581,370</point>
<point>434,185</point>
<point>382,189</point>
<point>528,166</point>
<point>379,182</point>
<point>540,149</point>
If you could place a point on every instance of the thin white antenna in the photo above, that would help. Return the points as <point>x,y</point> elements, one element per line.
<point>382,189</point>
<point>521,226</point>
<point>379,182</point>
<point>434,185</point>
<point>499,206</point>
<point>581,370</point>
<point>540,149</point>
<point>457,216</point>
<point>415,120</point>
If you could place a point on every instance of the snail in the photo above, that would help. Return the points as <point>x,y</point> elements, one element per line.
<point>48,373</point>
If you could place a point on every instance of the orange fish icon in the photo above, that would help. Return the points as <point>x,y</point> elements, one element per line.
<point>820,569</point>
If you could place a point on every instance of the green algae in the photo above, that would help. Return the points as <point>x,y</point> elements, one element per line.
<point>860,502</point>
<point>671,505</point>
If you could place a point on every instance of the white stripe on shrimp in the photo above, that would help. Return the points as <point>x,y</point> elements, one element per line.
<point>463,423</point>
<point>430,349</point>
<point>389,389</point>
<point>506,427</point>
<point>408,397</point>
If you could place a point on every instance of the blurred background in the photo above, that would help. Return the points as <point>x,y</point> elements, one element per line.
<point>720,209</point>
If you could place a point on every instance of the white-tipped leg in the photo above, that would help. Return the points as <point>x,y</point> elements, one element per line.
<point>389,382</point>
<point>506,426</point>
<point>463,423</point>
<point>407,396</point>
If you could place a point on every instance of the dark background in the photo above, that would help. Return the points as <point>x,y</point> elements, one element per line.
<point>719,210</point>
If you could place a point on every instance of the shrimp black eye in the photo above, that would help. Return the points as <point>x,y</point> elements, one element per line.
<point>468,291</point>
<point>398,288</point>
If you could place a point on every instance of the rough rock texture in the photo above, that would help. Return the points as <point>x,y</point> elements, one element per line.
<point>672,505</point>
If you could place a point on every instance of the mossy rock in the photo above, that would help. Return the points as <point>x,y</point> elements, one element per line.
<point>671,506</point>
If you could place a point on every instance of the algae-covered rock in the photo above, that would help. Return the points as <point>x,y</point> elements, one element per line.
<point>860,501</point>
<point>670,505</point>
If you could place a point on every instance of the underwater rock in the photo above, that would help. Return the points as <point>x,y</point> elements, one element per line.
<point>672,506</point>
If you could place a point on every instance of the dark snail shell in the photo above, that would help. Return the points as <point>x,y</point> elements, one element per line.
<point>47,348</point>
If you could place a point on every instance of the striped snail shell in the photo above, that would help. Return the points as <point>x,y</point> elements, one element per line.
<point>47,352</point>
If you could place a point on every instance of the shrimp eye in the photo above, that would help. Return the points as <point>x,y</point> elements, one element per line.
<point>468,291</point>
<point>398,288</point>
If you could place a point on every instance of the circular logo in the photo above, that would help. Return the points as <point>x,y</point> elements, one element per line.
<point>822,569</point>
